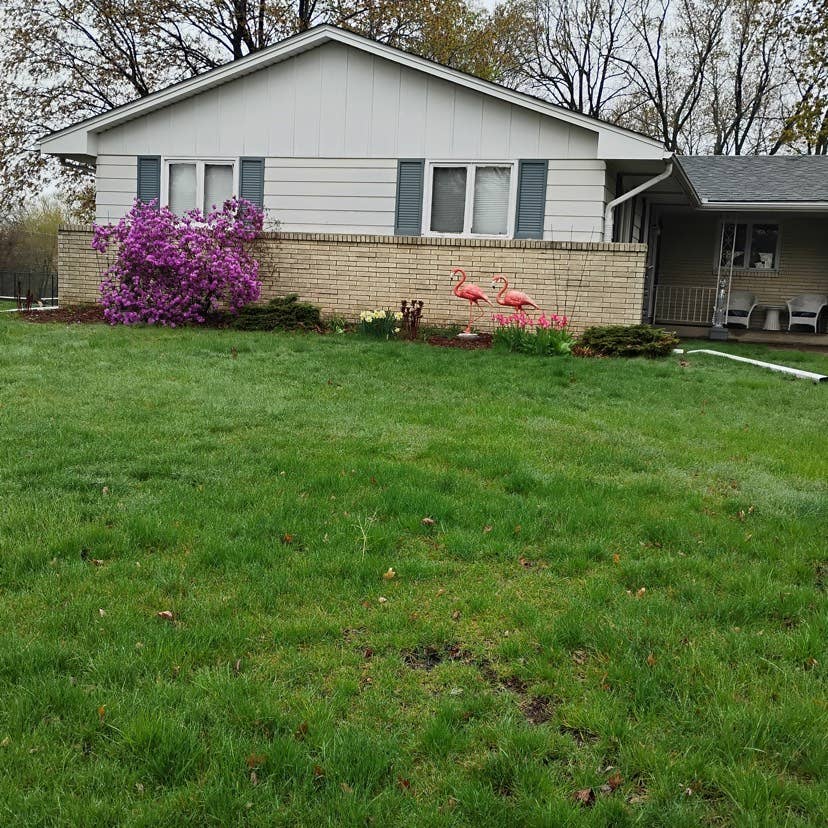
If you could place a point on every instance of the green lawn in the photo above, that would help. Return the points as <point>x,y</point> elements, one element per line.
<point>625,581</point>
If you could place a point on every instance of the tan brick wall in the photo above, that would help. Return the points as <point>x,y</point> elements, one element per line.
<point>594,283</point>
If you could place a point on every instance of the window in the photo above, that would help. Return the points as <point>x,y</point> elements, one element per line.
<point>197,183</point>
<point>469,200</point>
<point>750,245</point>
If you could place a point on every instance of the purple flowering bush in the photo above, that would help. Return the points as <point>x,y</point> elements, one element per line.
<point>175,270</point>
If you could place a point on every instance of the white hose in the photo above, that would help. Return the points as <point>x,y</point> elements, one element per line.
<point>771,366</point>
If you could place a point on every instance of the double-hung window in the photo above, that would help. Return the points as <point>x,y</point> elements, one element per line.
<point>197,183</point>
<point>469,199</point>
<point>750,245</point>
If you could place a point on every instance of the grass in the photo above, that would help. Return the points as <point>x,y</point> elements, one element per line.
<point>626,575</point>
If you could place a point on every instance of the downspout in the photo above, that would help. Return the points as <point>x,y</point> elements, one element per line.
<point>608,215</point>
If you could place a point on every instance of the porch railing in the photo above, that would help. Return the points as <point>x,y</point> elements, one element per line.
<point>680,303</point>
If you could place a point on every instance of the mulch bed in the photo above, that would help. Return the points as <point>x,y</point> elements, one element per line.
<point>482,342</point>
<point>69,314</point>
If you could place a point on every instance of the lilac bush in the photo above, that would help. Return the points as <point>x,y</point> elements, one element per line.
<point>174,270</point>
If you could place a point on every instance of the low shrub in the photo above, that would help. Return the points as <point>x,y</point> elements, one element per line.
<point>544,336</point>
<point>626,341</point>
<point>381,324</point>
<point>285,313</point>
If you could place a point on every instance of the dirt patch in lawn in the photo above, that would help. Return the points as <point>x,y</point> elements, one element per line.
<point>482,342</point>
<point>537,710</point>
<point>428,656</point>
<point>67,315</point>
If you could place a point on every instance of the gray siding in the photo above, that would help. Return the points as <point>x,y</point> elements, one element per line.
<point>336,195</point>
<point>575,197</point>
<point>115,186</point>
<point>336,102</point>
<point>333,121</point>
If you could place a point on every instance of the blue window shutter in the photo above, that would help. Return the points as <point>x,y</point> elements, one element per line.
<point>251,180</point>
<point>149,179</point>
<point>531,199</point>
<point>408,216</point>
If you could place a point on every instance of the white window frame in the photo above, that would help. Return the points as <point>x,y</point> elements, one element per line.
<point>749,222</point>
<point>471,172</point>
<point>200,164</point>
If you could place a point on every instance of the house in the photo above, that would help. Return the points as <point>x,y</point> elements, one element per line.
<point>383,171</point>
<point>756,225</point>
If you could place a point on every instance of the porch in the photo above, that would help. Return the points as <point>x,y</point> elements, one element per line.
<point>775,257</point>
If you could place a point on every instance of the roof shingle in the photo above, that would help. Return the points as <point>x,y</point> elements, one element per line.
<point>758,178</point>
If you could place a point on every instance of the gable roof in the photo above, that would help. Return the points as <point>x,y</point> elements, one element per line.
<point>757,179</point>
<point>77,140</point>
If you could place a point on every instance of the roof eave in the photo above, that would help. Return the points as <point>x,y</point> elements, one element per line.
<point>765,206</point>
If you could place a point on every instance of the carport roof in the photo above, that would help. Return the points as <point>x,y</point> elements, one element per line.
<point>757,179</point>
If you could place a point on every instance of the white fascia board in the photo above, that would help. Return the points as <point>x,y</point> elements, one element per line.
<point>765,206</point>
<point>613,142</point>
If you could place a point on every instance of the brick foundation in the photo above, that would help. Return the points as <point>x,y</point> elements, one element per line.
<point>594,283</point>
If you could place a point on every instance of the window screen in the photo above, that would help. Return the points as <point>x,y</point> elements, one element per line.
<point>491,200</point>
<point>182,188</point>
<point>448,200</point>
<point>218,185</point>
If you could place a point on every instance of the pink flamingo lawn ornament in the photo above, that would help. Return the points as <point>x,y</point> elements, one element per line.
<point>471,293</point>
<point>511,298</point>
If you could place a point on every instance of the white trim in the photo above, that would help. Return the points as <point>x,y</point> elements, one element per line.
<point>471,168</point>
<point>316,37</point>
<point>763,206</point>
<point>749,222</point>
<point>200,163</point>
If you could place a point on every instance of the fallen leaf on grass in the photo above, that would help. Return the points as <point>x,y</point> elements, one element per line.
<point>237,666</point>
<point>101,713</point>
<point>525,562</point>
<point>382,599</point>
<point>346,788</point>
<point>428,521</point>
<point>318,773</point>
<point>256,760</point>
<point>287,539</point>
<point>6,742</point>
<point>165,615</point>
<point>254,778</point>
<point>367,653</point>
<point>404,784</point>
<point>391,573</point>
<point>487,529</point>
<point>301,731</point>
<point>105,490</point>
<point>585,797</point>
<point>455,616</point>
<point>579,657</point>
<point>640,593</point>
<point>651,660</point>
<point>102,612</point>
<point>611,784</point>
<point>616,558</point>
<point>139,787</point>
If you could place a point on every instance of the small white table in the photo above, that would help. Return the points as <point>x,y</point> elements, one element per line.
<point>772,317</point>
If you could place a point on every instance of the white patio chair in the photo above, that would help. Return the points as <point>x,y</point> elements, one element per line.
<point>740,307</point>
<point>805,309</point>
